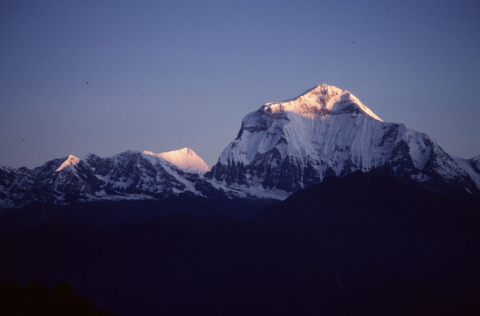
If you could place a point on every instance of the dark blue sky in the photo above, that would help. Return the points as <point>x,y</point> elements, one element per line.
<point>163,75</point>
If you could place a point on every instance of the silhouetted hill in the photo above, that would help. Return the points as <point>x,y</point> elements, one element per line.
<point>365,244</point>
<point>377,202</point>
<point>135,211</point>
<point>38,299</point>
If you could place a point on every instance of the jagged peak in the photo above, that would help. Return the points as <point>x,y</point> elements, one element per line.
<point>7,168</point>
<point>70,161</point>
<point>90,154</point>
<point>127,154</point>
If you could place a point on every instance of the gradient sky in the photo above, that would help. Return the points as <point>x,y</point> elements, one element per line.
<point>163,75</point>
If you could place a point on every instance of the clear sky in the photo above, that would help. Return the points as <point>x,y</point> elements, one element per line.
<point>163,75</point>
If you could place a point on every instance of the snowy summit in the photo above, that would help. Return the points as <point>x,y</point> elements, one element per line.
<point>184,158</point>
<point>322,99</point>
<point>326,131</point>
<point>71,161</point>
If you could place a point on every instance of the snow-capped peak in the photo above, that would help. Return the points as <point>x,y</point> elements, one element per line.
<point>322,99</point>
<point>327,131</point>
<point>71,161</point>
<point>184,158</point>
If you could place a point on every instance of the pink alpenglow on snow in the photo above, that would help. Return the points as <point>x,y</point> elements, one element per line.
<point>71,161</point>
<point>184,158</point>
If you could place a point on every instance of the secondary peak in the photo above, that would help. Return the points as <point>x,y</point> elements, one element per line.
<point>70,161</point>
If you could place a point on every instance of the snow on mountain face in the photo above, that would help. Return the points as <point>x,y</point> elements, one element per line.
<point>71,161</point>
<point>128,175</point>
<point>7,177</point>
<point>471,166</point>
<point>45,184</point>
<point>326,131</point>
<point>184,158</point>
<point>134,173</point>
<point>280,148</point>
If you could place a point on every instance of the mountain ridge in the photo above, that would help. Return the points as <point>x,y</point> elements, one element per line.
<point>280,148</point>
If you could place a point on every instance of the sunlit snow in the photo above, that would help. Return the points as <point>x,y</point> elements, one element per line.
<point>326,129</point>
<point>184,158</point>
<point>71,161</point>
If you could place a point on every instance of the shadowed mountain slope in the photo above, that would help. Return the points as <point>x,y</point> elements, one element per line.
<point>367,243</point>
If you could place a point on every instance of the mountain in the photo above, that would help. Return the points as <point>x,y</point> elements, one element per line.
<point>381,203</point>
<point>280,149</point>
<point>376,219</point>
<point>128,187</point>
<point>184,158</point>
<point>70,161</point>
<point>128,175</point>
<point>380,221</point>
<point>326,131</point>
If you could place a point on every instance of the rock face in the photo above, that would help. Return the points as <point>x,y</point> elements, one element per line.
<point>324,132</point>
